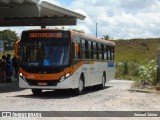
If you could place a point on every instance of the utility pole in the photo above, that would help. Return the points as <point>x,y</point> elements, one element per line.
<point>96,28</point>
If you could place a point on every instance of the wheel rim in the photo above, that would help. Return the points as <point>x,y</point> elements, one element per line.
<point>80,85</point>
<point>103,81</point>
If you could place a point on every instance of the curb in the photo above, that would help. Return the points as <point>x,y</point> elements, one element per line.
<point>143,90</point>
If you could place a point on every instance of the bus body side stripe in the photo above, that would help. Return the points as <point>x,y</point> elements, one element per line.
<point>57,76</point>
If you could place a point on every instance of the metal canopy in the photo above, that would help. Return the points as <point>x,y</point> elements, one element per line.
<point>33,13</point>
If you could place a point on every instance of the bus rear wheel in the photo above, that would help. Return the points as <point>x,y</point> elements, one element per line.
<point>102,85</point>
<point>36,91</point>
<point>80,89</point>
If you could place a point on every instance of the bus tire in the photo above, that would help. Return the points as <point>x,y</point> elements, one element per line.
<point>102,85</point>
<point>36,91</point>
<point>80,89</point>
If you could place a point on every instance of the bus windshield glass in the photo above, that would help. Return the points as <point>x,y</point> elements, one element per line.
<point>47,52</point>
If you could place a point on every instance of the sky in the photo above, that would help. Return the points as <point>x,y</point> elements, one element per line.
<point>120,19</point>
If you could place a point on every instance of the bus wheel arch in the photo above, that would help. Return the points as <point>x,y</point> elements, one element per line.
<point>83,78</point>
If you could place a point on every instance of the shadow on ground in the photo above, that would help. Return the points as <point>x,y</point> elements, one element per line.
<point>9,87</point>
<point>61,94</point>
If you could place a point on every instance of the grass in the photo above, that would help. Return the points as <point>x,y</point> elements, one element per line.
<point>137,50</point>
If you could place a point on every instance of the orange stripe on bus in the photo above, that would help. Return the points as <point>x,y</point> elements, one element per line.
<point>56,76</point>
<point>78,65</point>
<point>40,77</point>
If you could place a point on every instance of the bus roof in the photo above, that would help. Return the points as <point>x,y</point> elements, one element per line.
<point>78,34</point>
<point>93,38</point>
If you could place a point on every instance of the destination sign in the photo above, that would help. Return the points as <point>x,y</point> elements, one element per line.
<point>45,35</point>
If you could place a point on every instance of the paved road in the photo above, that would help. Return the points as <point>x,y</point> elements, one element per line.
<point>115,97</point>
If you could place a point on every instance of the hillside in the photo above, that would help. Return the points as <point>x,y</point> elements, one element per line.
<point>137,50</point>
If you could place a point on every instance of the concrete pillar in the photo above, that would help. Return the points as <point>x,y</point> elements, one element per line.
<point>158,71</point>
<point>158,63</point>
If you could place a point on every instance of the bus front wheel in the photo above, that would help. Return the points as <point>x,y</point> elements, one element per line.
<point>80,89</point>
<point>36,91</point>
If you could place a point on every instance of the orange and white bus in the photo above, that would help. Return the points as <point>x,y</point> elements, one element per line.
<point>59,59</point>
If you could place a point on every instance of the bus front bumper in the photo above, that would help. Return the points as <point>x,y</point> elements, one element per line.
<point>68,83</point>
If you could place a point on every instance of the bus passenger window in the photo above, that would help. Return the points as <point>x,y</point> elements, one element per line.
<point>107,49</point>
<point>112,53</point>
<point>86,49</point>
<point>83,44</point>
<point>109,53</point>
<point>105,56</point>
<point>89,50</point>
<point>100,55</point>
<point>94,46</point>
<point>94,50</point>
<point>83,53</point>
<point>103,52</point>
<point>100,50</point>
<point>97,51</point>
<point>94,55</point>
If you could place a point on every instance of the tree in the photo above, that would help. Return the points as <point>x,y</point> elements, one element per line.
<point>107,37</point>
<point>9,37</point>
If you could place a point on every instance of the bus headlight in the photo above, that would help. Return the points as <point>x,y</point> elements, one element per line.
<point>62,78</point>
<point>65,77</point>
<point>22,76</point>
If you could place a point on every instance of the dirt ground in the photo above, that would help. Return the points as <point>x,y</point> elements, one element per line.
<point>115,97</point>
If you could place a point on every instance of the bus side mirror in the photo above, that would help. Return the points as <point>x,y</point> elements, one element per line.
<point>16,51</point>
<point>76,49</point>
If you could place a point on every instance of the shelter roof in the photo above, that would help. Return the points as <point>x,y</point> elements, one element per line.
<point>35,13</point>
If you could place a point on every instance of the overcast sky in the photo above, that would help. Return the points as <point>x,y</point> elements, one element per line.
<point>116,18</point>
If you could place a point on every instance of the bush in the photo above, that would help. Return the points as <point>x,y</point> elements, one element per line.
<point>126,70</point>
<point>148,72</point>
<point>133,69</point>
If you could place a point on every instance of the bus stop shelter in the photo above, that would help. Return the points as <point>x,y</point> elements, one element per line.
<point>35,13</point>
<point>15,13</point>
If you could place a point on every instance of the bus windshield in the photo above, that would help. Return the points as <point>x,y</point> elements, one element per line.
<point>45,53</point>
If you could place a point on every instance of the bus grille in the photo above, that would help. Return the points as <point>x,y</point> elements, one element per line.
<point>35,82</point>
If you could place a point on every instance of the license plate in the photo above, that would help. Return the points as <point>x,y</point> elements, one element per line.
<point>42,83</point>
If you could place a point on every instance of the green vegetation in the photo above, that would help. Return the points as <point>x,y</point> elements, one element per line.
<point>107,37</point>
<point>127,70</point>
<point>148,72</point>
<point>9,37</point>
<point>136,59</point>
<point>137,50</point>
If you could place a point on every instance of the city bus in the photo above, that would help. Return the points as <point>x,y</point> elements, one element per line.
<point>51,59</point>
